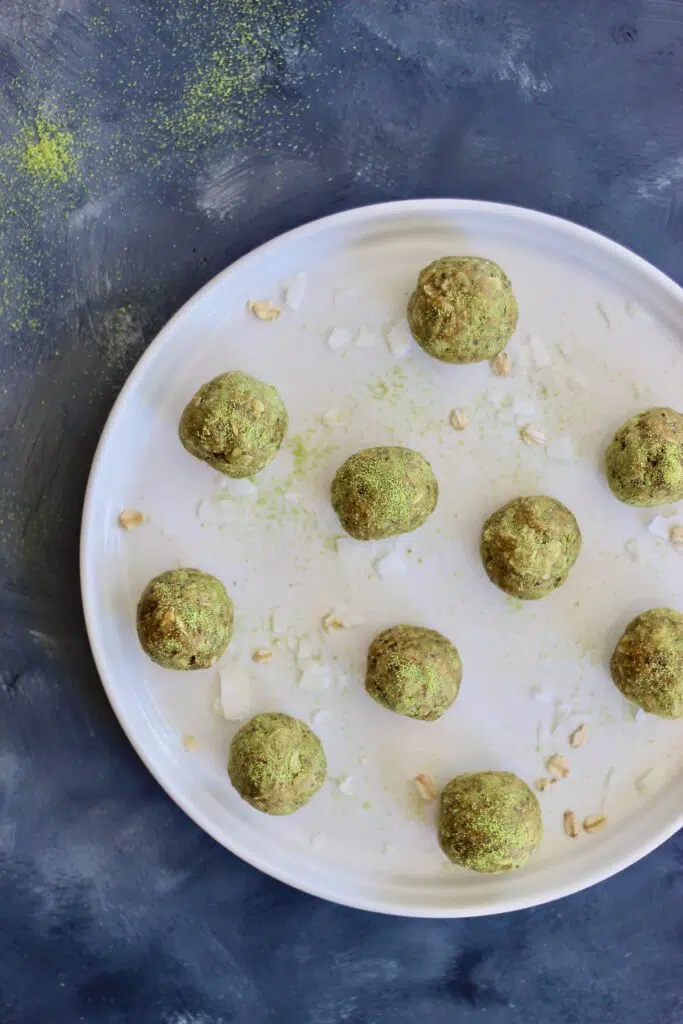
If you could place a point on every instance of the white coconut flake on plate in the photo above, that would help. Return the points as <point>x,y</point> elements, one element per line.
<point>237,490</point>
<point>540,353</point>
<point>305,647</point>
<point>524,411</point>
<point>294,289</point>
<point>291,497</point>
<point>338,338</point>
<point>332,418</point>
<point>320,716</point>
<point>314,676</point>
<point>278,622</point>
<point>234,692</point>
<point>560,449</point>
<point>543,696</point>
<point>659,527</point>
<point>213,513</point>
<point>391,566</point>
<point>353,555</point>
<point>496,396</point>
<point>631,549</point>
<point>345,785</point>
<point>367,337</point>
<point>399,339</point>
<point>318,841</point>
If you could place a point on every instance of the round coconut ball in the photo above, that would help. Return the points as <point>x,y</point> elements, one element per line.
<point>644,462</point>
<point>529,545</point>
<point>234,423</point>
<point>381,492</point>
<point>413,671</point>
<point>647,664</point>
<point>463,309</point>
<point>489,821</point>
<point>184,619</point>
<point>276,763</point>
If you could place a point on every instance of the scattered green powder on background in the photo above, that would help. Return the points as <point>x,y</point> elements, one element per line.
<point>232,87</point>
<point>47,151</point>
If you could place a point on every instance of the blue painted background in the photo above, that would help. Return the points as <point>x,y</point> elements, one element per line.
<point>113,906</point>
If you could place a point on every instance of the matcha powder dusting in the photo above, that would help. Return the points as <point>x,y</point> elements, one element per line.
<point>235,86</point>
<point>47,151</point>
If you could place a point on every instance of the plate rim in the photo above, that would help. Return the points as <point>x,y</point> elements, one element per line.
<point>374,211</point>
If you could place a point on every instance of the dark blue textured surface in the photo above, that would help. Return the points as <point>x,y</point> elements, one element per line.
<point>114,907</point>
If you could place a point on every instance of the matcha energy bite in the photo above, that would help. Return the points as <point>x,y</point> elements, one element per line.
<point>644,462</point>
<point>463,309</point>
<point>184,619</point>
<point>381,492</point>
<point>413,671</point>
<point>489,821</point>
<point>235,423</point>
<point>276,763</point>
<point>647,664</point>
<point>529,545</point>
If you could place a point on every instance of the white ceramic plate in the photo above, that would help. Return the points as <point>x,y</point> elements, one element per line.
<point>605,333</point>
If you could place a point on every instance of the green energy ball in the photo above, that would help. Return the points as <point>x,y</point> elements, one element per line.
<point>644,462</point>
<point>184,619</point>
<point>276,763</point>
<point>463,309</point>
<point>413,671</point>
<point>529,545</point>
<point>489,821</point>
<point>647,664</point>
<point>380,492</point>
<point>235,423</point>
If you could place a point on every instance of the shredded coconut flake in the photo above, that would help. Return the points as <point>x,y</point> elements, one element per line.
<point>305,647</point>
<point>345,785</point>
<point>338,338</point>
<point>332,418</point>
<point>234,693</point>
<point>399,339</point>
<point>318,841</point>
<point>315,677</point>
<point>391,566</point>
<point>367,337</point>
<point>240,489</point>
<point>659,527</point>
<point>278,623</point>
<point>631,548</point>
<point>352,554</point>
<point>294,289</point>
<point>540,355</point>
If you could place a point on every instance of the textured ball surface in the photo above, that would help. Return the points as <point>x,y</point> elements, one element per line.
<point>234,423</point>
<point>463,309</point>
<point>381,492</point>
<point>277,764</point>
<point>184,619</point>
